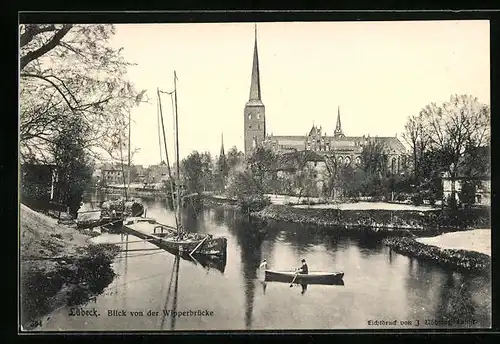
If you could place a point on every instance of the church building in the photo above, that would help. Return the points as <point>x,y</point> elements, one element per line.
<point>346,149</point>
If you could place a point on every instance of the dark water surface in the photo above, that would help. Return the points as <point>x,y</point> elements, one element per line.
<point>379,284</point>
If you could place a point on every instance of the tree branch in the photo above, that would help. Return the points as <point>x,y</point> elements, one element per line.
<point>33,30</point>
<point>33,55</point>
<point>27,75</point>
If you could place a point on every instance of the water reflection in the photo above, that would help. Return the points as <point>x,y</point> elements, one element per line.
<point>250,244</point>
<point>176,290</point>
<point>173,277</point>
<point>450,295</point>
<point>219,216</point>
<point>379,282</point>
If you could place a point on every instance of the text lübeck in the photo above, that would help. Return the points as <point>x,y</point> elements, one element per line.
<point>83,312</point>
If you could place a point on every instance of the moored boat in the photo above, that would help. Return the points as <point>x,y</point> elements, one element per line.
<point>313,277</point>
<point>168,237</point>
<point>175,238</point>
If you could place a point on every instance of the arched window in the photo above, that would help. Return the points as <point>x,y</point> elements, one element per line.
<point>393,165</point>
<point>249,116</point>
<point>340,160</point>
<point>358,160</point>
<point>347,161</point>
<point>258,115</point>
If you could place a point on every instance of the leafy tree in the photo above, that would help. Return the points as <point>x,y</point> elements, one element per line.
<point>234,157</point>
<point>192,171</point>
<point>72,69</point>
<point>262,163</point>
<point>243,186</point>
<point>306,182</point>
<point>476,166</point>
<point>221,172</point>
<point>73,164</point>
<point>207,171</point>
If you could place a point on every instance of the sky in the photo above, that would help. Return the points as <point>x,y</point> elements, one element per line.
<point>377,73</point>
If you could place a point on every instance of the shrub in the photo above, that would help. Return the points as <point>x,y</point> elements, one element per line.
<point>417,199</point>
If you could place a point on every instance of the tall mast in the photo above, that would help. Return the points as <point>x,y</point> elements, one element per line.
<point>177,156</point>
<point>129,132</point>
<point>166,154</point>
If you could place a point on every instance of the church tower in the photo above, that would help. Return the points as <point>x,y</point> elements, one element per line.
<point>255,118</point>
<point>338,128</point>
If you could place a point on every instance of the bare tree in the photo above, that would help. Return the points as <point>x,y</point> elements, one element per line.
<point>457,126</point>
<point>415,136</point>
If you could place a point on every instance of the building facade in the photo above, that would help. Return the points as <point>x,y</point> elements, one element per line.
<point>482,195</point>
<point>346,149</point>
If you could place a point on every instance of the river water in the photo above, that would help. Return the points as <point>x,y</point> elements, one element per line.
<point>379,285</point>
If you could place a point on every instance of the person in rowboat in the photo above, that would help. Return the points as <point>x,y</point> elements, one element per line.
<point>303,269</point>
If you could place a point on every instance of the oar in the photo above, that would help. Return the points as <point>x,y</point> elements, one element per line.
<point>294,277</point>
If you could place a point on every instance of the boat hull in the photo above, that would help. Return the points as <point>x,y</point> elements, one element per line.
<point>312,278</point>
<point>167,239</point>
<point>209,247</point>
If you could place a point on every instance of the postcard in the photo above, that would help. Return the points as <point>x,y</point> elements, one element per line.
<point>255,176</point>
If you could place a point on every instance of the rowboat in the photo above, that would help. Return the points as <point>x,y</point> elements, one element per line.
<point>313,277</point>
<point>167,237</point>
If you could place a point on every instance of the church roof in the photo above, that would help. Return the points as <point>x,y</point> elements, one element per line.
<point>299,141</point>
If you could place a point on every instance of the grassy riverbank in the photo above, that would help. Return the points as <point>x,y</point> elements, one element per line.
<point>418,222</point>
<point>469,259</point>
<point>59,266</point>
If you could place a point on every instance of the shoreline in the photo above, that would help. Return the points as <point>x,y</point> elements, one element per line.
<point>461,260</point>
<point>415,222</point>
<point>59,266</point>
<point>407,232</point>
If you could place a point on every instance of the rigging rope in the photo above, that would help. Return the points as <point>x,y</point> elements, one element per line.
<point>168,161</point>
<point>158,125</point>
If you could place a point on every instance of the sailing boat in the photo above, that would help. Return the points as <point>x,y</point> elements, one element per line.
<point>113,212</point>
<point>174,238</point>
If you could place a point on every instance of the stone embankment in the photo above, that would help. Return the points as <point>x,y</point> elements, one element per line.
<point>59,266</point>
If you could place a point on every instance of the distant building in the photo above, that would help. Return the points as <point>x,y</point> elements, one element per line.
<point>113,174</point>
<point>478,172</point>
<point>483,190</point>
<point>347,149</point>
<point>156,173</point>
<point>141,174</point>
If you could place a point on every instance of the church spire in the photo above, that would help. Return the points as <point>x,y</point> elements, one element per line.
<point>255,83</point>
<point>222,145</point>
<point>338,128</point>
